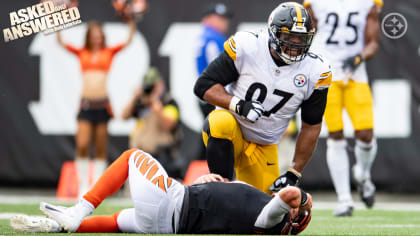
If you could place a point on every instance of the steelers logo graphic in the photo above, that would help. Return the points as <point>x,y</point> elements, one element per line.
<point>394,25</point>
<point>300,80</point>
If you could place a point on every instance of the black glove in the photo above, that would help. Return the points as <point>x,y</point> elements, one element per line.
<point>291,177</point>
<point>249,110</point>
<point>351,63</point>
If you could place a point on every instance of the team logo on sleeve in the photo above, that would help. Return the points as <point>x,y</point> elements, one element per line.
<point>300,80</point>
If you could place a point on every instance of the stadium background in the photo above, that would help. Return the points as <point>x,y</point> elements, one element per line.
<point>39,90</point>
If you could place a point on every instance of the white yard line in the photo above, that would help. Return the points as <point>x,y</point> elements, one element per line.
<point>392,206</point>
<point>395,226</point>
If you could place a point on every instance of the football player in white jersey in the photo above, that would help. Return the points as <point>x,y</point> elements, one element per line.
<point>348,35</point>
<point>258,83</point>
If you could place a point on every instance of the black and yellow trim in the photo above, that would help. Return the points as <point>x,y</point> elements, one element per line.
<point>298,15</point>
<point>230,48</point>
<point>284,29</point>
<point>324,80</point>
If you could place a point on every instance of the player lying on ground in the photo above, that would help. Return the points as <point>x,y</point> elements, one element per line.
<point>163,205</point>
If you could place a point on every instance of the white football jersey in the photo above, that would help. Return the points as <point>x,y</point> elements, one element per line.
<point>340,32</point>
<point>281,90</point>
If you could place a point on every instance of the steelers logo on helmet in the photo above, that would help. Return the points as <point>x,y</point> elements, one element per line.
<point>290,31</point>
<point>300,80</point>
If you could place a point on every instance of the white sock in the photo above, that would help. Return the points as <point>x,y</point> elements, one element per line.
<point>99,166</point>
<point>84,207</point>
<point>82,165</point>
<point>365,155</point>
<point>272,213</point>
<point>338,164</point>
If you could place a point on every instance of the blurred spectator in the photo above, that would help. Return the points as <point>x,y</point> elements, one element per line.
<point>95,110</point>
<point>157,131</point>
<point>215,23</point>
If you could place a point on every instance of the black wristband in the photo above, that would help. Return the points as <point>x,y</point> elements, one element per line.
<point>303,198</point>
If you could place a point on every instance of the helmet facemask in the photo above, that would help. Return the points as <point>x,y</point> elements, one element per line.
<point>289,46</point>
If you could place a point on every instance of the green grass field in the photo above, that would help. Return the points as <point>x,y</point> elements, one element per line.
<point>363,222</point>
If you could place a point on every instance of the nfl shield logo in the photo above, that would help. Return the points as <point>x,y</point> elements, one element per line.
<point>300,80</point>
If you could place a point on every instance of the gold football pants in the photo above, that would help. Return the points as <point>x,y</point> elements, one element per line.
<point>254,164</point>
<point>356,98</point>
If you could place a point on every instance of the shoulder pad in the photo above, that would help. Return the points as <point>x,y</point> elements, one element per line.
<point>241,43</point>
<point>321,74</point>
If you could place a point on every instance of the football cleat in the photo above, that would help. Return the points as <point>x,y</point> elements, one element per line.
<point>69,218</point>
<point>367,192</point>
<point>365,187</point>
<point>343,209</point>
<point>34,224</point>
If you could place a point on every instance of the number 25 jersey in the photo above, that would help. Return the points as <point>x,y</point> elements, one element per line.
<point>340,33</point>
<point>281,90</point>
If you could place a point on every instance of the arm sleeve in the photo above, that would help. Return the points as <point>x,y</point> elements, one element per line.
<point>222,71</point>
<point>72,49</point>
<point>314,107</point>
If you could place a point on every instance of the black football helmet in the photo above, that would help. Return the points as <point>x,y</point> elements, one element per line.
<point>291,31</point>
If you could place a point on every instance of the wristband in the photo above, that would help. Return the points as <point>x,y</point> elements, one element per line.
<point>291,169</point>
<point>232,105</point>
<point>303,198</point>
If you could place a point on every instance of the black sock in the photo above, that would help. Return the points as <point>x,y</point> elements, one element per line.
<point>220,157</point>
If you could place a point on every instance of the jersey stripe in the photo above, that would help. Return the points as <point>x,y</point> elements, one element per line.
<point>324,81</point>
<point>232,43</point>
<point>325,74</point>
<point>230,48</point>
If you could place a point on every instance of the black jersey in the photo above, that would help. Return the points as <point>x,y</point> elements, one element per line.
<point>225,208</point>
